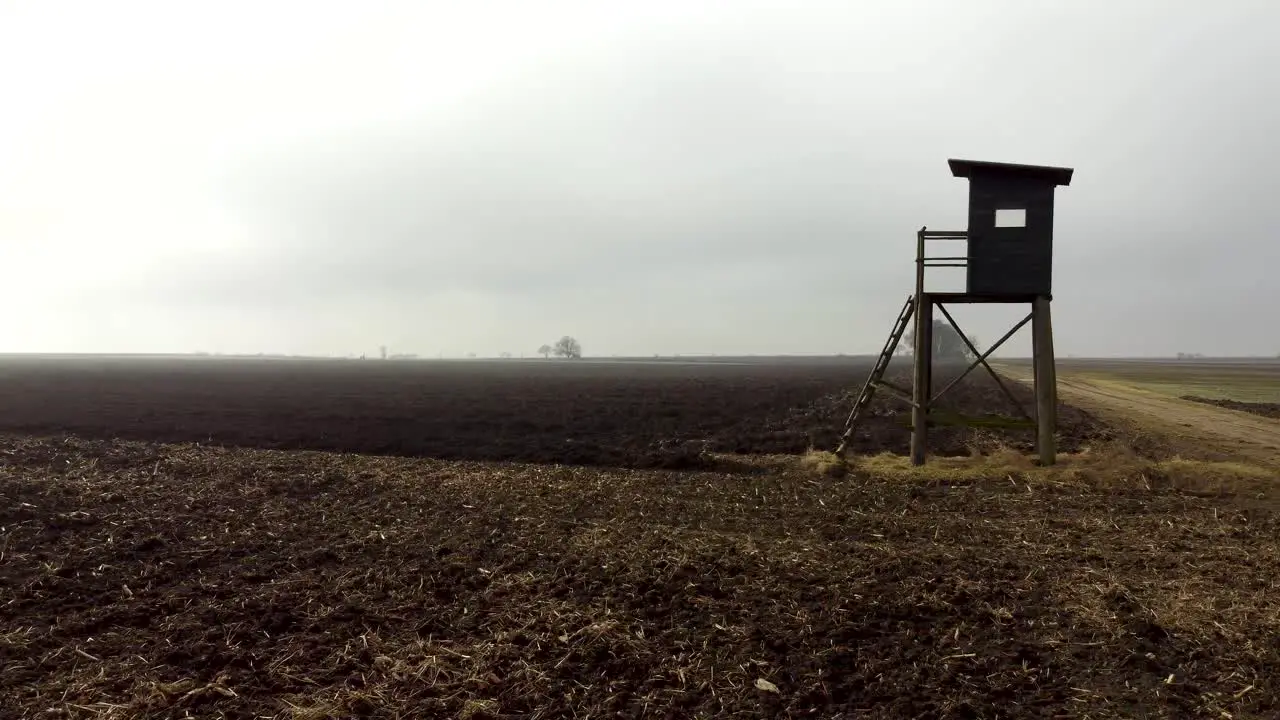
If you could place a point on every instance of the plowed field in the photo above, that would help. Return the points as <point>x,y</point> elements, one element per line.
<point>625,414</point>
<point>173,581</point>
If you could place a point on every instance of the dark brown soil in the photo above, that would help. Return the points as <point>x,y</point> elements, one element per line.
<point>1265,409</point>
<point>654,414</point>
<point>174,581</point>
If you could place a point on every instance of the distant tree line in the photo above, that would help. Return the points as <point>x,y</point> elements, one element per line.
<point>948,345</point>
<point>566,347</point>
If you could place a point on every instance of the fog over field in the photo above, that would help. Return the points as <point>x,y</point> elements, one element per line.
<point>660,177</point>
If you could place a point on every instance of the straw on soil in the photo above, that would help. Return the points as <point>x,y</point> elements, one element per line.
<point>161,581</point>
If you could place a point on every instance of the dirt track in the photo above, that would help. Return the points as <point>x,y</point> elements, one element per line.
<point>1173,425</point>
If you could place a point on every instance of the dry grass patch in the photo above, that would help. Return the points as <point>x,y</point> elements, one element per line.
<point>1109,465</point>
<point>825,463</point>
<point>1218,478</point>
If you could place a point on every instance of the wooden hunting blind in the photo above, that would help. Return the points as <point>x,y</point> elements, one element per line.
<point>1008,259</point>
<point>1010,233</point>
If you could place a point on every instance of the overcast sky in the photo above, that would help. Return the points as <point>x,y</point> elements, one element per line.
<point>650,177</point>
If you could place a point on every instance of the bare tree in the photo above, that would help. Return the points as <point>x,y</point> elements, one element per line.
<point>545,351</point>
<point>567,347</point>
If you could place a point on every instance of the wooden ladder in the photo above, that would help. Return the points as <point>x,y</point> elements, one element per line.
<point>877,374</point>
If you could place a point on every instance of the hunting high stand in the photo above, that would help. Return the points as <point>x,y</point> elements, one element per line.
<point>1009,259</point>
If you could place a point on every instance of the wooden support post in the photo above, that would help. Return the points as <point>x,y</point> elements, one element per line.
<point>1046,381</point>
<point>1035,366</point>
<point>922,386</point>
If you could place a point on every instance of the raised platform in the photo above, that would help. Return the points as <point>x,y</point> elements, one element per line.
<point>960,297</point>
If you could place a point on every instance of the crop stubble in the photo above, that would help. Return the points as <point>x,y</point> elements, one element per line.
<point>161,580</point>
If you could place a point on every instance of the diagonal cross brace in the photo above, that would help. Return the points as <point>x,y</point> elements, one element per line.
<point>982,359</point>
<point>896,392</point>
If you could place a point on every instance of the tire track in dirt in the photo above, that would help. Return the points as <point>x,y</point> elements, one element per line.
<point>1189,428</point>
